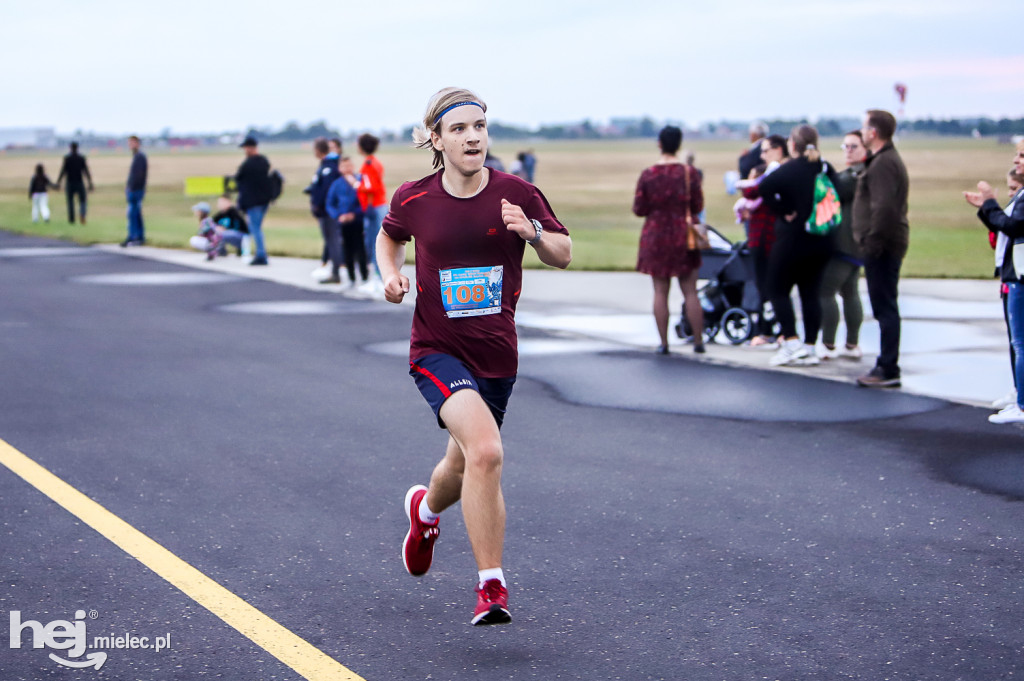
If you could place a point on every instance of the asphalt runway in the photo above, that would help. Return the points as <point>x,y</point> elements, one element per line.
<point>667,519</point>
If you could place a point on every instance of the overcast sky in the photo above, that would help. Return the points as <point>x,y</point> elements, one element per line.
<point>118,67</point>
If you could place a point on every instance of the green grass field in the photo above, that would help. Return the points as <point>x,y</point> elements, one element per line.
<point>590,185</point>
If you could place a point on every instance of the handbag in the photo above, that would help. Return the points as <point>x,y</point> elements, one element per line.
<point>696,232</point>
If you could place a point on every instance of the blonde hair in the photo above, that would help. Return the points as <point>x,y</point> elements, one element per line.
<point>441,100</point>
<point>805,142</point>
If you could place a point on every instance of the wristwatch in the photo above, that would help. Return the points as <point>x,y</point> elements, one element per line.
<point>540,232</point>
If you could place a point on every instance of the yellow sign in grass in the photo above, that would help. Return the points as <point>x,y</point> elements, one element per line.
<point>212,185</point>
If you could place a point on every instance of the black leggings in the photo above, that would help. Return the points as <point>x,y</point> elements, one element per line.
<point>352,238</point>
<point>797,259</point>
<point>760,261</point>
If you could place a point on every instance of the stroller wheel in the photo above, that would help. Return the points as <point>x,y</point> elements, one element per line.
<point>737,325</point>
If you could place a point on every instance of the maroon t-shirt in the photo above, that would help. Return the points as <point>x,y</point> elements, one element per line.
<point>452,233</point>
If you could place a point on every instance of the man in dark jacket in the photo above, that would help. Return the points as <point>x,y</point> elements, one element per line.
<point>751,158</point>
<point>73,173</point>
<point>883,234</point>
<point>254,194</point>
<point>325,176</point>
<point>135,191</point>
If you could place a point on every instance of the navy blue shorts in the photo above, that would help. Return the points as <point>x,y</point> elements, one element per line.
<point>439,375</point>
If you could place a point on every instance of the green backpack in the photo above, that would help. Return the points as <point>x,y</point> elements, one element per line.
<point>826,213</point>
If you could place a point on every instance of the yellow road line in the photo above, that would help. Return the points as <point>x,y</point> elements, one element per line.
<point>306,660</point>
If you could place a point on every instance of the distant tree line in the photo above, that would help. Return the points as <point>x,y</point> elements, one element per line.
<point>956,127</point>
<point>646,127</point>
<point>616,128</point>
<point>294,132</point>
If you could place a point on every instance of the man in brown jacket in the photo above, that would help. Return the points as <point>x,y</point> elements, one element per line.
<point>881,229</point>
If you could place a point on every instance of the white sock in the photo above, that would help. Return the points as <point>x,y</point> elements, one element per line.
<point>426,515</point>
<point>492,573</point>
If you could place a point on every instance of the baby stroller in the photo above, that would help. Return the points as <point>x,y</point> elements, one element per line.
<point>730,296</point>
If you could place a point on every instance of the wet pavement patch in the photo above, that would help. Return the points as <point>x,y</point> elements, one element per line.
<point>528,347</point>
<point>682,386</point>
<point>992,472</point>
<point>303,307</point>
<point>157,279</point>
<point>43,252</point>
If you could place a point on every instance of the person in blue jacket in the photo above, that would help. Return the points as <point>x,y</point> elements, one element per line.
<point>345,210</point>
<point>326,174</point>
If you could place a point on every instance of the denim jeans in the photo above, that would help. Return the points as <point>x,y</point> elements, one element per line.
<point>230,237</point>
<point>1003,297</point>
<point>373,218</point>
<point>330,229</point>
<point>255,214</point>
<point>136,229</point>
<point>72,191</point>
<point>1015,322</point>
<point>883,275</point>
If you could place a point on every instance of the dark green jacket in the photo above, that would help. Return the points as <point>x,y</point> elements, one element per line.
<point>844,244</point>
<point>880,208</point>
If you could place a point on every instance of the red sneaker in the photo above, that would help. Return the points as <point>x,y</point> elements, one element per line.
<point>491,604</point>
<point>418,547</point>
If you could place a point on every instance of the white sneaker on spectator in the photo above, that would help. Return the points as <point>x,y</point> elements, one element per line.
<point>321,272</point>
<point>827,352</point>
<point>1011,414</point>
<point>854,353</point>
<point>790,354</point>
<point>811,359</point>
<point>1006,400</point>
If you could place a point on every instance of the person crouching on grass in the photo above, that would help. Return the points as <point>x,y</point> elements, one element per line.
<point>470,225</point>
<point>212,238</point>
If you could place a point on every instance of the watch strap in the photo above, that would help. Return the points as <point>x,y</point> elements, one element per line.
<point>540,232</point>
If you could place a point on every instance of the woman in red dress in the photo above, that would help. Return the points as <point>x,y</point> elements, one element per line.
<point>667,194</point>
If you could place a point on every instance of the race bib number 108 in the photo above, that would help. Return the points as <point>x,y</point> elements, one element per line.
<point>471,291</point>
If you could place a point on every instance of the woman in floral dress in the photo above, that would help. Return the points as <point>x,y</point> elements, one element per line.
<point>666,194</point>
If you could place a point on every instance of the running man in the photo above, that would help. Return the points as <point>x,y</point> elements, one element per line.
<point>471,226</point>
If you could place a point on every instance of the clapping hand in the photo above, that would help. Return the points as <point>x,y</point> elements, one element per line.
<point>984,193</point>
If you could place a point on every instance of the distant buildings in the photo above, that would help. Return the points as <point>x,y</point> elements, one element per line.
<point>28,138</point>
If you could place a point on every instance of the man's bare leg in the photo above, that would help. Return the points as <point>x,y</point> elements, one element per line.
<point>446,481</point>
<point>475,446</point>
